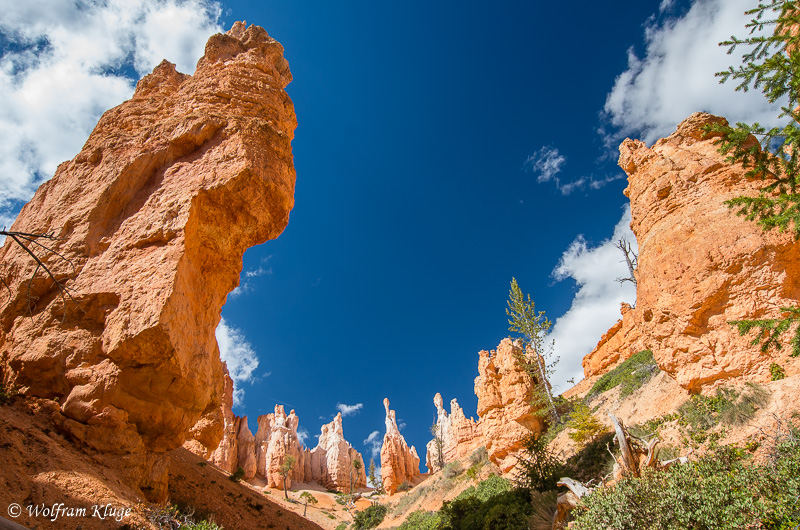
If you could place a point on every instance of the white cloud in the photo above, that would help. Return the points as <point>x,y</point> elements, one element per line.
<point>374,441</point>
<point>261,271</point>
<point>596,304</point>
<point>349,410</point>
<point>666,5</point>
<point>239,355</point>
<point>302,436</point>
<point>63,65</point>
<point>676,75</point>
<point>546,164</point>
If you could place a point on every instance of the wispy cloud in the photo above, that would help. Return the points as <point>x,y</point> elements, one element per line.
<point>238,354</point>
<point>374,442</point>
<point>596,304</point>
<point>64,63</point>
<point>247,285</point>
<point>349,410</point>
<point>547,164</point>
<point>302,436</point>
<point>676,75</point>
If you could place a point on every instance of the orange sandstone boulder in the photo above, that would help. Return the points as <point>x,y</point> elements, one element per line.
<point>276,439</point>
<point>505,391</point>
<point>618,344</point>
<point>700,265</point>
<point>153,216</point>
<point>399,463</point>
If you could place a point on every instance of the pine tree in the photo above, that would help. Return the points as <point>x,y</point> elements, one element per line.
<point>286,467</point>
<point>533,327</point>
<point>771,65</point>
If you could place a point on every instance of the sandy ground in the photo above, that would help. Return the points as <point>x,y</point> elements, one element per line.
<point>42,468</point>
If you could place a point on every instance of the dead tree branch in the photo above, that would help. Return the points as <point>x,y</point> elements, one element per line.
<point>631,259</point>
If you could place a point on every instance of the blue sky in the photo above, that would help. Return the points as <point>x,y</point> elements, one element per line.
<point>442,148</point>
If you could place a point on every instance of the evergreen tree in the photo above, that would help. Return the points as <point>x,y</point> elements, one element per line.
<point>286,468</point>
<point>771,65</point>
<point>533,327</point>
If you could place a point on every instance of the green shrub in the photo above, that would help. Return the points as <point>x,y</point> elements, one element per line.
<point>538,468</point>
<point>585,425</point>
<point>723,489</point>
<point>422,520</point>
<point>593,461</point>
<point>629,376</point>
<point>453,469</point>
<point>479,456</point>
<point>237,475</point>
<point>776,371</point>
<point>370,517</point>
<point>727,407</point>
<point>472,471</point>
<point>7,392</point>
<point>482,507</point>
<point>405,486</point>
<point>341,526</point>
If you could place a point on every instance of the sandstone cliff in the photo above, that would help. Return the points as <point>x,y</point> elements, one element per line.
<point>621,341</point>
<point>459,436</point>
<point>153,216</point>
<point>399,463</point>
<point>700,265</point>
<point>505,391</point>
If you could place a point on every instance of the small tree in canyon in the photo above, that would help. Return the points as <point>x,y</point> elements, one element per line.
<point>539,359</point>
<point>286,468</point>
<point>771,65</point>
<point>438,443</point>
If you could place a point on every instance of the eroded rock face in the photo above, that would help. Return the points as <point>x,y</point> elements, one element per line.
<point>154,215</point>
<point>700,265</point>
<point>459,436</point>
<point>332,460</point>
<point>399,463</point>
<point>276,439</point>
<point>505,391</point>
<point>620,342</point>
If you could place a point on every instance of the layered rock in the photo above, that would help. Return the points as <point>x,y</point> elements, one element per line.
<point>457,435</point>
<point>399,463</point>
<point>152,219</point>
<point>505,391</point>
<point>332,463</point>
<point>621,341</point>
<point>276,439</point>
<point>700,265</point>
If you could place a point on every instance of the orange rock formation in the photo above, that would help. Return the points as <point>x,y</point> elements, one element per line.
<point>700,265</point>
<point>505,391</point>
<point>399,463</point>
<point>617,344</point>
<point>154,215</point>
<point>459,436</point>
<point>331,462</point>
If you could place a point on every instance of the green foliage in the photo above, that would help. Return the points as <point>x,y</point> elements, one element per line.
<point>538,469</point>
<point>479,456</point>
<point>727,407</point>
<point>629,376</point>
<point>422,520</point>
<point>202,525</point>
<point>344,498</point>
<point>404,486</point>
<point>723,489</point>
<point>585,425</point>
<point>776,372</point>
<point>771,65</point>
<point>341,526</point>
<point>374,477</point>
<point>370,517</point>
<point>237,475</point>
<point>771,329</point>
<point>533,326</point>
<point>492,504</point>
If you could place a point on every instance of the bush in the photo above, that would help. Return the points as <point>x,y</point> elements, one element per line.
<point>585,425</point>
<point>7,392</point>
<point>237,475</point>
<point>727,406</point>
<point>370,517</point>
<point>776,371</point>
<point>593,461</point>
<point>172,516</point>
<point>492,504</point>
<point>479,456</point>
<point>453,469</point>
<point>538,468</point>
<point>723,489</point>
<point>405,486</point>
<point>629,376</point>
<point>422,520</point>
<point>341,526</point>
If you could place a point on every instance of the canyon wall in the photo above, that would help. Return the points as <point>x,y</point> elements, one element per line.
<point>700,265</point>
<point>152,218</point>
<point>457,436</point>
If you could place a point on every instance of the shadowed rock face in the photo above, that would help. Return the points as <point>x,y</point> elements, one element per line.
<point>700,265</point>
<point>154,215</point>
